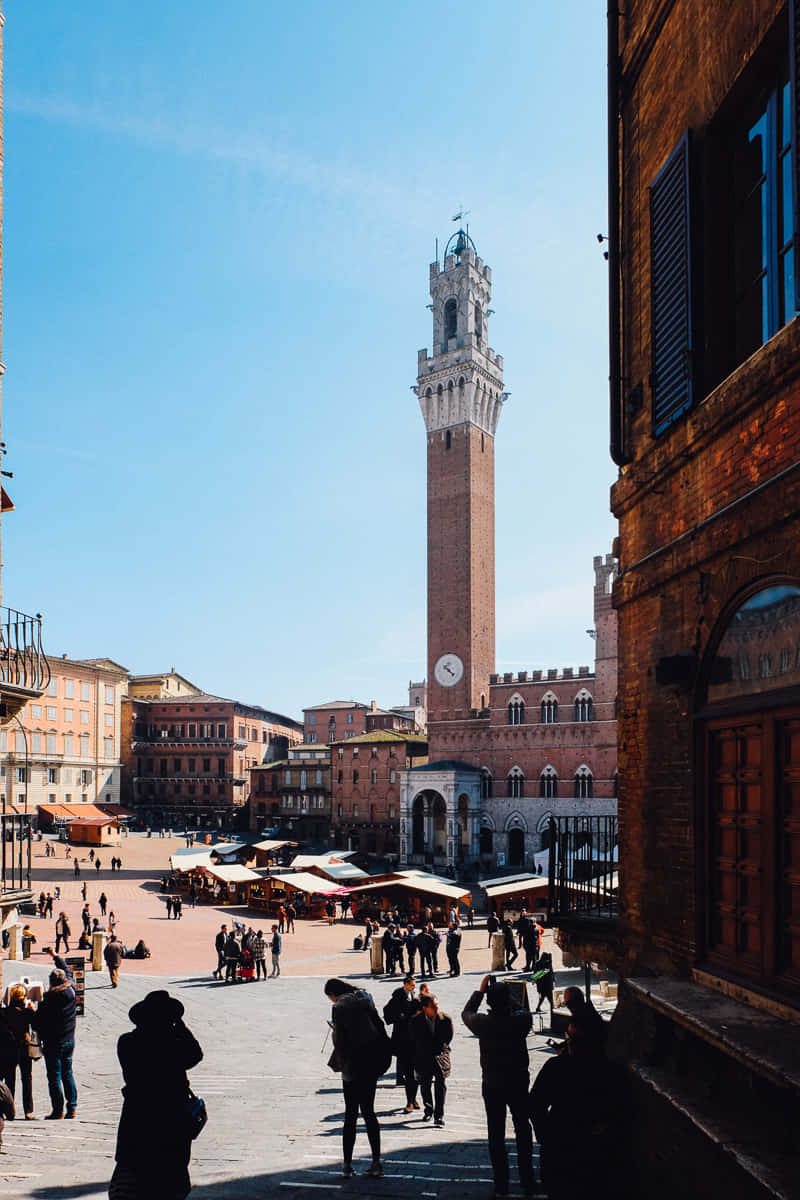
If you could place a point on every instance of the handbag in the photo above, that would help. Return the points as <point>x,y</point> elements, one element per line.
<point>195,1113</point>
<point>442,1060</point>
<point>34,1045</point>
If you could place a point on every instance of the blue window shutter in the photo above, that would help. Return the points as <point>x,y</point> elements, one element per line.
<point>671,295</point>
<point>794,75</point>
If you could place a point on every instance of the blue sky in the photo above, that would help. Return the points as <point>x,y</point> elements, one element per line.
<point>218,221</point>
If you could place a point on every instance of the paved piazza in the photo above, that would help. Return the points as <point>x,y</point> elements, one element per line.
<point>275,1109</point>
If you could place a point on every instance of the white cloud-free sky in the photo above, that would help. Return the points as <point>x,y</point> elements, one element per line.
<point>218,221</point>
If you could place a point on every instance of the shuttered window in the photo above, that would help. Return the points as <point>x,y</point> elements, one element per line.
<point>671,288</point>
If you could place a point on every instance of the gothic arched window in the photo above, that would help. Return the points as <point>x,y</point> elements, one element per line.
<point>450,319</point>
<point>516,711</point>
<point>516,783</point>
<point>584,708</point>
<point>583,783</point>
<point>486,783</point>
<point>548,783</point>
<point>549,709</point>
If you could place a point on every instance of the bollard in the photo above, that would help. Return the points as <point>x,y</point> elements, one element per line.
<point>376,954</point>
<point>98,946</point>
<point>498,952</point>
<point>15,942</point>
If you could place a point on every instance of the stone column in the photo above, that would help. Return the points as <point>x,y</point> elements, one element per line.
<point>376,954</point>
<point>98,946</point>
<point>15,942</point>
<point>498,952</point>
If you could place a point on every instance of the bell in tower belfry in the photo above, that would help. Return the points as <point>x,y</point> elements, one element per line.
<point>460,390</point>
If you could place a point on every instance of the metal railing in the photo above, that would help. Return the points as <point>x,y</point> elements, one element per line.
<point>583,867</point>
<point>23,663</point>
<point>15,852</point>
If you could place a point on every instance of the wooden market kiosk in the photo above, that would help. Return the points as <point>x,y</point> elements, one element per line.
<point>308,893</point>
<point>411,892</point>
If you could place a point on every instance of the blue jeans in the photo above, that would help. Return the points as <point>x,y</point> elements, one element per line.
<point>58,1062</point>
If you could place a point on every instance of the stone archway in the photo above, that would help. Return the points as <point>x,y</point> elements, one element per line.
<point>516,847</point>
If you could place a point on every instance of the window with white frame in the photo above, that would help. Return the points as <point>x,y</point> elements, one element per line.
<point>583,783</point>
<point>516,710</point>
<point>584,708</point>
<point>549,709</point>
<point>109,720</point>
<point>548,783</point>
<point>85,691</point>
<point>84,716</point>
<point>36,746</point>
<point>51,743</point>
<point>109,694</point>
<point>69,688</point>
<point>69,715</point>
<point>516,783</point>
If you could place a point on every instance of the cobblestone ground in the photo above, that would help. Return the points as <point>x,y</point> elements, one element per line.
<point>275,1109</point>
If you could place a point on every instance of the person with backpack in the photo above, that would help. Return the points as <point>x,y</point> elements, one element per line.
<point>362,1052</point>
<point>431,1033</point>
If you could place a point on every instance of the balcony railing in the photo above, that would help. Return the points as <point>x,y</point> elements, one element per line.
<point>23,663</point>
<point>584,869</point>
<point>15,854</point>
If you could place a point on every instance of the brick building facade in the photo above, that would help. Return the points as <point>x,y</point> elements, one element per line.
<point>188,758</point>
<point>292,796</point>
<point>339,720</point>
<point>506,753</point>
<point>365,774</point>
<point>705,427</point>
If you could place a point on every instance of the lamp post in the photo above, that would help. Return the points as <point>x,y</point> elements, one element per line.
<point>25,803</point>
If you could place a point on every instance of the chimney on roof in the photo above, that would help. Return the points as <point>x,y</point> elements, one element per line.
<point>372,705</point>
<point>63,656</point>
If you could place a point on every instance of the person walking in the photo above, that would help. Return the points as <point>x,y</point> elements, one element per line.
<point>219,946</point>
<point>276,945</point>
<point>359,1044</point>
<point>62,932</point>
<point>97,865</point>
<point>291,913</point>
<point>511,951</point>
<point>112,922</point>
<point>502,1034</point>
<point>177,908</point>
<point>259,952</point>
<point>154,1140</point>
<point>281,919</point>
<point>544,978</point>
<point>18,1016</point>
<point>492,927</point>
<point>397,1012</point>
<point>76,868</point>
<point>113,956</point>
<point>436,940</point>
<point>48,905</point>
<point>168,903</point>
<point>453,948</point>
<point>55,1021</point>
<point>86,917</point>
<point>83,888</point>
<point>431,1034</point>
<point>102,900</point>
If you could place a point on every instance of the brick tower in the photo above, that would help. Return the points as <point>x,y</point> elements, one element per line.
<point>460,390</point>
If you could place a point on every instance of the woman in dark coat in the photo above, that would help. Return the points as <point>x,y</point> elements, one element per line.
<point>18,1018</point>
<point>153,1140</point>
<point>544,979</point>
<point>357,1032</point>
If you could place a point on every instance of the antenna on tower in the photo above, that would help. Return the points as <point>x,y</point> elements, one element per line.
<point>462,212</point>
<point>437,248</point>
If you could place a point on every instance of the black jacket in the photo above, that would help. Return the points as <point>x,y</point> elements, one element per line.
<point>427,1042</point>
<point>504,1051</point>
<point>397,1012</point>
<point>55,1017</point>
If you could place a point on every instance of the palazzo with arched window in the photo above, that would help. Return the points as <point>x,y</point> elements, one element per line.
<point>516,783</point>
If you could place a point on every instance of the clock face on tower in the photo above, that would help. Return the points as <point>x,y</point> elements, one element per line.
<point>448,670</point>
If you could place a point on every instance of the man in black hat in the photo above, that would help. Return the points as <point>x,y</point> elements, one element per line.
<point>504,1065</point>
<point>154,1138</point>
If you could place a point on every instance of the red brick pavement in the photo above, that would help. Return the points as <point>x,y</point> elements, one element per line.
<point>186,947</point>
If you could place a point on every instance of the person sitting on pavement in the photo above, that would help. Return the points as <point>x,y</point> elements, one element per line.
<point>584,1013</point>
<point>504,1065</point>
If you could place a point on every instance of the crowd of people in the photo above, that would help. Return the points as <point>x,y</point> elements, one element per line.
<point>242,953</point>
<point>577,1091</point>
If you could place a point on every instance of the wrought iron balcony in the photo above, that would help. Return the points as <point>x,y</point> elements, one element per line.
<point>584,870</point>
<point>24,669</point>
